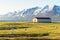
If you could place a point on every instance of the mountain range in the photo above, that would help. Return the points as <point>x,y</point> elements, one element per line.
<point>28,14</point>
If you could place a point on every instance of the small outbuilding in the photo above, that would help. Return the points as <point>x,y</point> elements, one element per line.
<point>41,19</point>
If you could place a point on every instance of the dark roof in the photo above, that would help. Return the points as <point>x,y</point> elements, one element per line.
<point>42,17</point>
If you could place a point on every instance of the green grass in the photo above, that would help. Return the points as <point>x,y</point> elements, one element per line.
<point>53,29</point>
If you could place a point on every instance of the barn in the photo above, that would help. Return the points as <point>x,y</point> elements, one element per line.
<point>41,19</point>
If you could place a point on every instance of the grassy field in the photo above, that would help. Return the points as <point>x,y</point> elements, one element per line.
<point>29,30</point>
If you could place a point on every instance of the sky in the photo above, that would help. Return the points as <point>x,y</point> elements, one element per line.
<point>18,5</point>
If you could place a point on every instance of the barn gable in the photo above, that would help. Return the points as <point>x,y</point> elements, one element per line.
<point>41,19</point>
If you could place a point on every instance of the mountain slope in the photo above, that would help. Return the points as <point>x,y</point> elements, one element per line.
<point>29,14</point>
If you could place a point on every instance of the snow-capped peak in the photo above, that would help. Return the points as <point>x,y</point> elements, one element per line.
<point>30,13</point>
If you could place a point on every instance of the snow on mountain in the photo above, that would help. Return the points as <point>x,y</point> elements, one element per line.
<point>30,11</point>
<point>56,18</point>
<point>29,14</point>
<point>56,9</point>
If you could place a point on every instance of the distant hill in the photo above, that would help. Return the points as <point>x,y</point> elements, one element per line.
<point>28,14</point>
